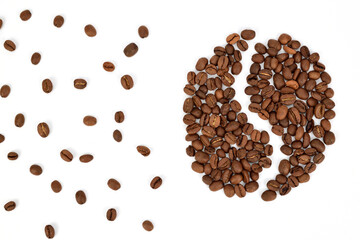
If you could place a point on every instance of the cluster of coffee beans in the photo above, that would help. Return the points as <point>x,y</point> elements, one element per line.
<point>44,129</point>
<point>215,123</point>
<point>297,103</point>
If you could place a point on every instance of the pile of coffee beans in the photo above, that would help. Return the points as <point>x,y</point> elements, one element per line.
<point>215,123</point>
<point>289,87</point>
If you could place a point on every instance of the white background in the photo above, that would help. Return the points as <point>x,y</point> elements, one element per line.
<point>183,207</point>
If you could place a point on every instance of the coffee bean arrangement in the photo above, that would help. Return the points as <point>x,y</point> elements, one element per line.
<point>227,149</point>
<point>44,129</point>
<point>297,103</point>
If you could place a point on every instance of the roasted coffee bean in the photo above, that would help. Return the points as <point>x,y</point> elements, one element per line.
<point>284,167</point>
<point>232,38</point>
<point>19,120</point>
<point>10,206</point>
<point>156,182</point>
<point>251,186</point>
<point>119,117</point>
<point>89,121</point>
<point>80,83</point>
<point>49,231</point>
<point>90,30</point>
<point>66,155</point>
<point>108,66</point>
<point>147,225</point>
<point>58,21</point>
<point>242,45</point>
<point>117,136</point>
<point>216,186</point>
<point>2,138</point>
<point>268,195</point>
<point>12,156</point>
<point>248,34</point>
<point>56,186</point>
<point>113,184</point>
<point>9,45</point>
<point>43,129</point>
<point>127,82</point>
<point>143,31</point>
<point>47,85</point>
<point>111,214</point>
<point>329,138</point>
<point>80,197</point>
<point>36,170</point>
<point>131,49</point>
<point>86,158</point>
<point>25,15</point>
<point>1,23</point>
<point>143,150</point>
<point>5,91</point>
<point>35,58</point>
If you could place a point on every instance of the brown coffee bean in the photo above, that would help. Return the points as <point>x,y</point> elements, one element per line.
<point>36,170</point>
<point>127,82</point>
<point>113,184</point>
<point>284,38</point>
<point>10,206</point>
<point>284,167</point>
<point>19,120</point>
<point>248,34</point>
<point>25,15</point>
<point>2,138</point>
<point>1,23</point>
<point>80,83</point>
<point>5,91</point>
<point>229,190</point>
<point>242,45</point>
<point>56,186</point>
<point>318,145</point>
<point>66,155</point>
<point>117,135</point>
<point>86,158</point>
<point>80,197</point>
<point>147,225</point>
<point>143,31</point>
<point>273,185</point>
<point>12,156</point>
<point>278,130</point>
<point>201,64</point>
<point>35,58</point>
<point>89,120</point>
<point>49,231</point>
<point>111,214</point>
<point>251,186</point>
<point>329,138</point>
<point>216,186</point>
<point>119,117</point>
<point>47,85</point>
<point>90,30</point>
<point>143,150</point>
<point>58,21</point>
<point>232,38</point>
<point>43,129</point>
<point>9,45</point>
<point>268,195</point>
<point>108,66</point>
<point>131,49</point>
<point>156,182</point>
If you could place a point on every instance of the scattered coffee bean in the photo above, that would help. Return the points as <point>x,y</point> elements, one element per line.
<point>268,195</point>
<point>114,184</point>
<point>25,15</point>
<point>49,231</point>
<point>35,58</point>
<point>86,158</point>
<point>5,91</point>
<point>156,182</point>
<point>1,23</point>
<point>119,117</point>
<point>12,156</point>
<point>58,21</point>
<point>143,31</point>
<point>10,206</point>
<point>9,45</point>
<point>43,129</point>
<point>19,120</point>
<point>147,225</point>
<point>80,197</point>
<point>2,138</point>
<point>80,83</point>
<point>56,186</point>
<point>117,135</point>
<point>109,66</point>
<point>143,150</point>
<point>89,120</point>
<point>248,34</point>
<point>36,170</point>
<point>90,30</point>
<point>66,155</point>
<point>47,86</point>
<point>111,214</point>
<point>131,49</point>
<point>127,82</point>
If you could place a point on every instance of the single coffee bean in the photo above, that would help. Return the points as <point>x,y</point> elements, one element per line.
<point>113,184</point>
<point>12,156</point>
<point>1,23</point>
<point>5,91</point>
<point>251,186</point>
<point>216,186</point>
<point>143,31</point>
<point>43,129</point>
<point>201,64</point>
<point>329,138</point>
<point>2,138</point>
<point>25,15</point>
<point>131,49</point>
<point>90,30</point>
<point>248,34</point>
<point>232,38</point>
<point>19,120</point>
<point>117,135</point>
<point>56,186</point>
<point>86,158</point>
<point>284,189</point>
<point>268,195</point>
<point>156,182</point>
<point>47,85</point>
<point>35,58</point>
<point>143,150</point>
<point>80,197</point>
<point>284,167</point>
<point>119,117</point>
<point>89,120</point>
<point>10,206</point>
<point>58,21</point>
<point>80,83</point>
<point>318,145</point>
<point>49,231</point>
<point>111,214</point>
<point>108,66</point>
<point>36,170</point>
<point>229,190</point>
<point>273,185</point>
<point>66,155</point>
<point>127,82</point>
<point>9,45</point>
<point>147,225</point>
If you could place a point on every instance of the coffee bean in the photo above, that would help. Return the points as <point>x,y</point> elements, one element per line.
<point>80,197</point>
<point>66,155</point>
<point>216,186</point>
<point>119,117</point>
<point>49,231</point>
<point>58,21</point>
<point>90,30</point>
<point>127,82</point>
<point>10,206</point>
<point>43,129</point>
<point>19,120</point>
<point>113,184</point>
<point>229,190</point>
<point>156,182</point>
<point>251,186</point>
<point>1,23</point>
<point>86,158</point>
<point>268,195</point>
<point>80,83</point>
<point>111,214</point>
<point>89,120</point>
<point>273,185</point>
<point>56,186</point>
<point>143,31</point>
<point>147,225</point>
<point>2,138</point>
<point>35,58</point>
<point>284,38</point>
<point>108,66</point>
<point>284,189</point>
<point>36,170</point>
<point>201,64</point>
<point>25,15</point>
<point>143,150</point>
<point>9,45</point>
<point>5,91</point>
<point>248,34</point>
<point>232,38</point>
<point>12,156</point>
<point>47,85</point>
<point>131,49</point>
<point>117,135</point>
